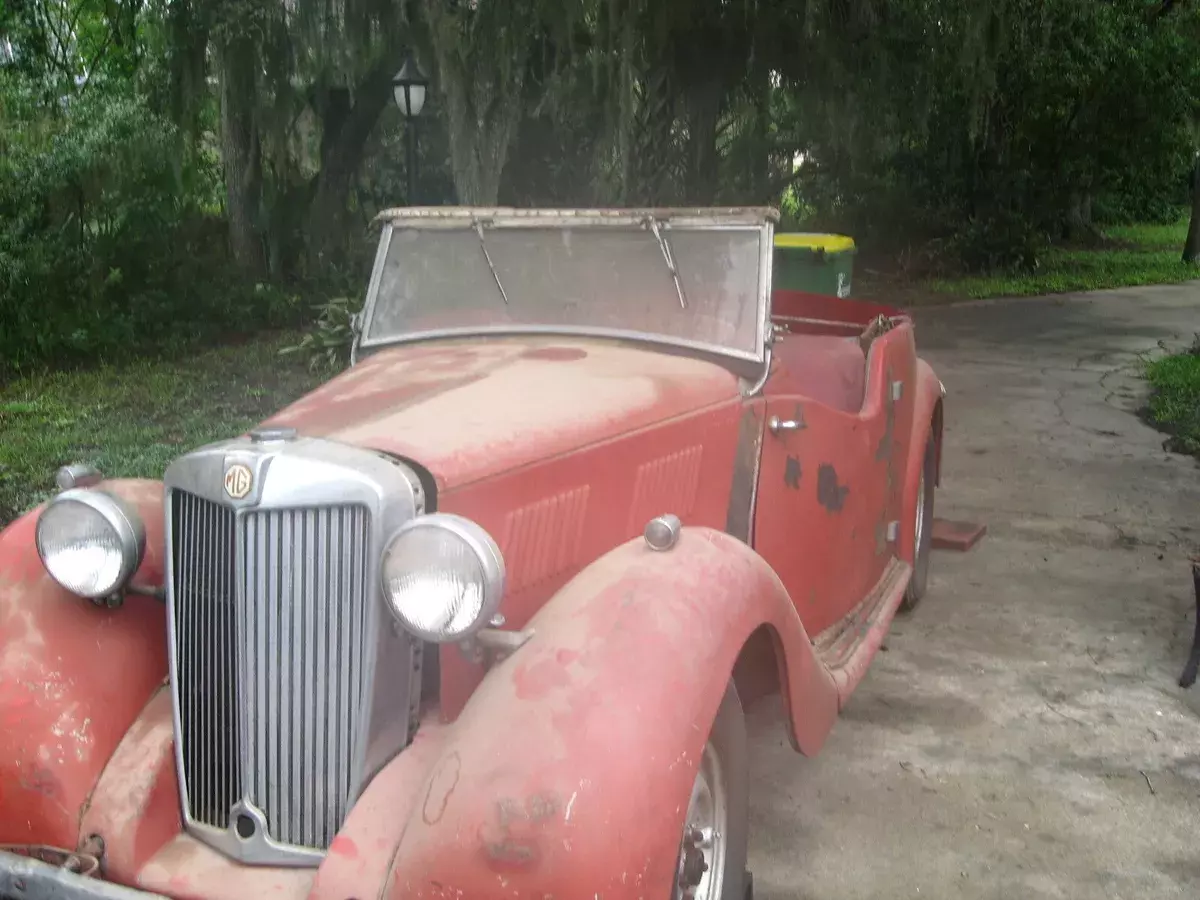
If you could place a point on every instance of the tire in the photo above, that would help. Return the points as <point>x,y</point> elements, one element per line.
<point>725,754</point>
<point>923,528</point>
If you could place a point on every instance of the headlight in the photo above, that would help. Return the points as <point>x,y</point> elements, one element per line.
<point>90,542</point>
<point>443,577</point>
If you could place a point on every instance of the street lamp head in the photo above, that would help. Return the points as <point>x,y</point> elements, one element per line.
<point>408,87</point>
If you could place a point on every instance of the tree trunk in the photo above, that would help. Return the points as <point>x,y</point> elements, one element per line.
<point>703,112</point>
<point>241,153</point>
<point>345,130</point>
<point>1191,246</point>
<point>481,56</point>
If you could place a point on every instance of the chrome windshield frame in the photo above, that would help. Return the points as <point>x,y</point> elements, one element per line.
<point>761,219</point>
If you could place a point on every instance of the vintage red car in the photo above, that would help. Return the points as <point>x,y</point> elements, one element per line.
<point>477,618</point>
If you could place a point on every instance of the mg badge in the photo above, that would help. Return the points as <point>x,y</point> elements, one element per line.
<point>238,481</point>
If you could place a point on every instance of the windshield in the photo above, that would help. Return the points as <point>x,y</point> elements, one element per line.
<point>692,286</point>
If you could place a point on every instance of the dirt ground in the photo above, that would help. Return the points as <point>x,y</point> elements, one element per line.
<point>1023,736</point>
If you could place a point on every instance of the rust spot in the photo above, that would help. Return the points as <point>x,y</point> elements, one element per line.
<point>41,780</point>
<point>343,846</point>
<point>510,852</point>
<point>791,473</point>
<point>542,807</point>
<point>830,494</point>
<point>555,354</point>
<point>512,839</point>
<point>441,786</point>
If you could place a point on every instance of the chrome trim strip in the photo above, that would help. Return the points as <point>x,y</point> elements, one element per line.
<point>513,217</point>
<point>29,878</point>
<point>614,333</point>
<point>743,494</point>
<point>381,252</point>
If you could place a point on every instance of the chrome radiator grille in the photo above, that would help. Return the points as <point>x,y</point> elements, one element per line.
<point>271,637</point>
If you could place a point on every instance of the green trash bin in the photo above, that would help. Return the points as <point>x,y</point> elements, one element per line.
<point>815,263</point>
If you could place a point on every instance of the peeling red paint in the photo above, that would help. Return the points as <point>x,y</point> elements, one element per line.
<point>344,846</point>
<point>551,805</point>
<point>64,703</point>
<point>534,682</point>
<point>461,408</point>
<point>519,795</point>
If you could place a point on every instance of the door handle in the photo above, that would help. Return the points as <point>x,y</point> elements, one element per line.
<point>777,424</point>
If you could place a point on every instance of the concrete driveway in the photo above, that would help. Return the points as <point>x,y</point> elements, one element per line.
<point>1024,736</point>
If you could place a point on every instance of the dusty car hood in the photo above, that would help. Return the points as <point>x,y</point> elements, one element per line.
<point>470,409</point>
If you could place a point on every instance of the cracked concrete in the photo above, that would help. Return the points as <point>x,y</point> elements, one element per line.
<point>1023,735</point>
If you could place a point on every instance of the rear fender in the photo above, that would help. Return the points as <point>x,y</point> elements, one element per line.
<point>927,424</point>
<point>569,770</point>
<point>73,677</point>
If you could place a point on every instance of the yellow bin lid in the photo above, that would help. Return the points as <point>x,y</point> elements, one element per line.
<point>830,243</point>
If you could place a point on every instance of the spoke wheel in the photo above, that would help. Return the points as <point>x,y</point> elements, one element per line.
<point>712,852</point>
<point>702,852</point>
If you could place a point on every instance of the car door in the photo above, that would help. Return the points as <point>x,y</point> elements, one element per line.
<point>830,485</point>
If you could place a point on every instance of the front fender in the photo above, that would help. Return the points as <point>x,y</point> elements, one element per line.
<point>568,772</point>
<point>73,677</point>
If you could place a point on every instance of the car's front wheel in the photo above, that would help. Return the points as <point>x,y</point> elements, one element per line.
<point>712,851</point>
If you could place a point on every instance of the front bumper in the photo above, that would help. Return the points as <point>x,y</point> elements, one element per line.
<point>28,878</point>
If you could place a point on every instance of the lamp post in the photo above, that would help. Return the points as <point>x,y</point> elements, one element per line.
<point>408,87</point>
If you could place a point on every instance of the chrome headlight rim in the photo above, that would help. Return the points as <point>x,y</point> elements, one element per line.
<point>118,515</point>
<point>487,554</point>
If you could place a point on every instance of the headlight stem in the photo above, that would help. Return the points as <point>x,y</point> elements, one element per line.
<point>491,646</point>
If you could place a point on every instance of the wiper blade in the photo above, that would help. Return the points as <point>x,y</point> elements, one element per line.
<point>652,223</point>
<point>487,256</point>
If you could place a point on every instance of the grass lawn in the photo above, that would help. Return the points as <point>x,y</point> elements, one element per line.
<point>131,420</point>
<point>1175,401</point>
<point>1136,254</point>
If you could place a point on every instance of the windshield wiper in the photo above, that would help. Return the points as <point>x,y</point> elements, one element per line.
<point>666,252</point>
<point>487,256</point>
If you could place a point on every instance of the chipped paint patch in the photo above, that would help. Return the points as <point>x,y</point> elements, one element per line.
<point>472,417</point>
<point>830,494</point>
<point>441,786</point>
<point>791,473</point>
<point>512,839</point>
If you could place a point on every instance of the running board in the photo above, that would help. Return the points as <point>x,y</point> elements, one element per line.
<point>847,647</point>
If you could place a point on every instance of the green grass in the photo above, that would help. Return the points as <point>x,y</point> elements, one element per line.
<point>132,419</point>
<point>1175,401</point>
<point>1137,255</point>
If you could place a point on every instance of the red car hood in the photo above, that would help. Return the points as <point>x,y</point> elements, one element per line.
<point>471,409</point>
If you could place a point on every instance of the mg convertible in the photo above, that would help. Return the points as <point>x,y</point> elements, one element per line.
<point>478,617</point>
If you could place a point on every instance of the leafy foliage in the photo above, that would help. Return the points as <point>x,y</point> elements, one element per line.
<point>101,250</point>
<point>173,171</point>
<point>327,345</point>
<point>1175,402</point>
